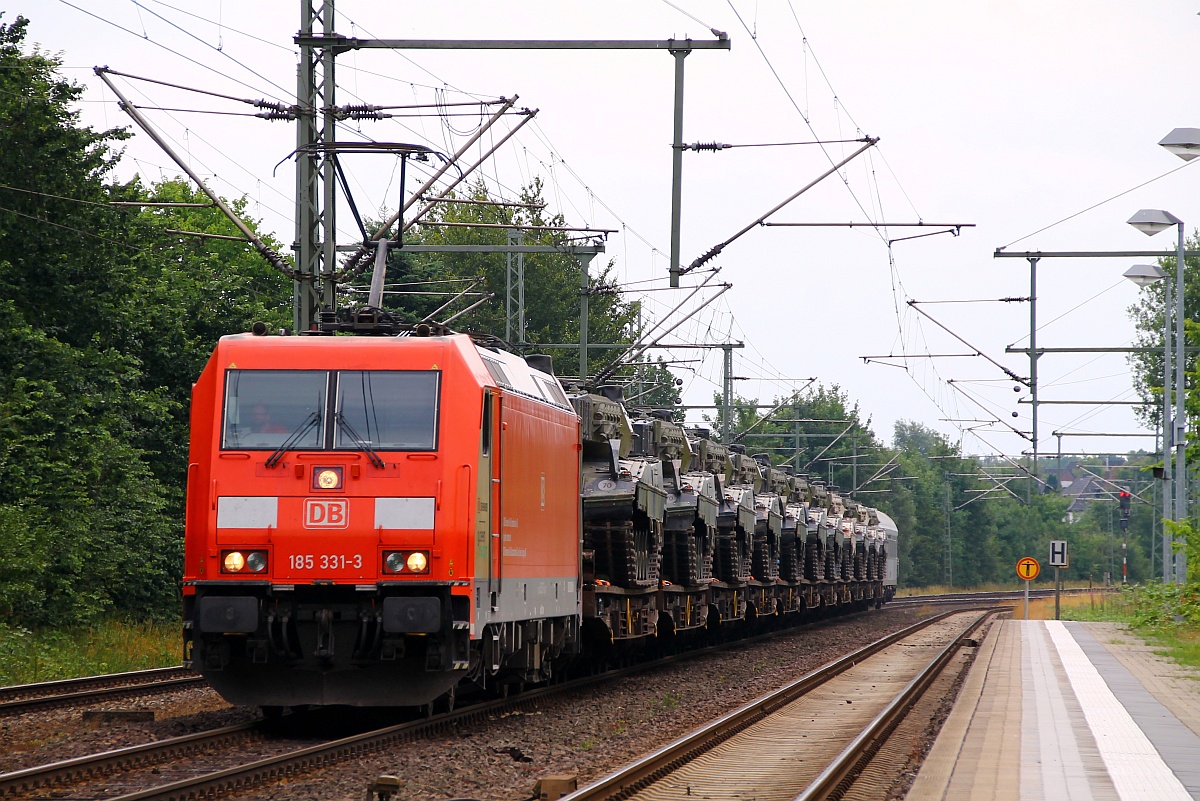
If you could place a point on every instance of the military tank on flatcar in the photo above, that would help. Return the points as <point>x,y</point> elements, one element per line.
<point>889,557</point>
<point>733,519</point>
<point>689,522</point>
<point>624,511</point>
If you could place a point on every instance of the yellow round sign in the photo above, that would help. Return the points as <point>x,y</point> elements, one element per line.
<point>1028,568</point>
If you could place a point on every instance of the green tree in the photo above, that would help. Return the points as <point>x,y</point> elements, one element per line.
<point>105,320</point>
<point>819,431</point>
<point>1147,317</point>
<point>950,519</point>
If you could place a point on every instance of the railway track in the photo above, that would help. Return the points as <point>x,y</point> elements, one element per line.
<point>28,697</point>
<point>208,758</point>
<point>980,598</point>
<point>148,764</point>
<point>24,698</point>
<point>799,742</point>
<point>131,764</point>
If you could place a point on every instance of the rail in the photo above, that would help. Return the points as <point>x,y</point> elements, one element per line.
<point>654,766</point>
<point>24,697</point>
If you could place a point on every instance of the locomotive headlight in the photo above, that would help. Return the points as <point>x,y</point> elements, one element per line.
<point>406,561</point>
<point>243,561</point>
<point>327,478</point>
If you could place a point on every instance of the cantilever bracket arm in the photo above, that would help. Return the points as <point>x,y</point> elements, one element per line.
<point>716,249</point>
<point>1007,372</point>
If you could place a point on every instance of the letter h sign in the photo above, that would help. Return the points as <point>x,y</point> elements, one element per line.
<point>1058,553</point>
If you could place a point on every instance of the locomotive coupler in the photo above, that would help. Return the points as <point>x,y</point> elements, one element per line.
<point>324,621</point>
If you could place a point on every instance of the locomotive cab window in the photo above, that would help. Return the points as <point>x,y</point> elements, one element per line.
<point>387,410</point>
<point>264,408</point>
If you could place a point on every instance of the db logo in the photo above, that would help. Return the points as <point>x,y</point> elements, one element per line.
<point>326,514</point>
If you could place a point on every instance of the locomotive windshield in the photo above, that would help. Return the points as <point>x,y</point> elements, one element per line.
<point>375,409</point>
<point>264,408</point>
<point>393,410</point>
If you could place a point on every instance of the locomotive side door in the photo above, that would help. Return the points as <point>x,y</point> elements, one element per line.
<point>497,526</point>
<point>488,524</point>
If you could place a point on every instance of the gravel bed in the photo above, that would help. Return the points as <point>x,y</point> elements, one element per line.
<point>61,733</point>
<point>596,731</point>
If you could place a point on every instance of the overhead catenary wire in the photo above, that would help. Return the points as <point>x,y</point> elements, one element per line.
<point>1096,205</point>
<point>359,256</point>
<point>226,27</point>
<point>263,249</point>
<point>192,134</point>
<point>716,250</point>
<point>563,163</point>
<point>159,44</point>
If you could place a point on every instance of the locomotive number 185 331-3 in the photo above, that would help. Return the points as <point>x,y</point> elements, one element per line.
<point>325,561</point>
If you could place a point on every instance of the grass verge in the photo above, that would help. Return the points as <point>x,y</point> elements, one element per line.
<point>111,646</point>
<point>1167,617</point>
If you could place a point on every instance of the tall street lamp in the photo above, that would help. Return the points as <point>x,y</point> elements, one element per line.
<point>1150,222</point>
<point>1183,142</point>
<point>1145,275</point>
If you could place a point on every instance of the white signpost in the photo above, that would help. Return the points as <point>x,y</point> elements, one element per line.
<point>1058,559</point>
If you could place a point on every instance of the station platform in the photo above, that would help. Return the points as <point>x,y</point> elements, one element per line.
<point>1054,711</point>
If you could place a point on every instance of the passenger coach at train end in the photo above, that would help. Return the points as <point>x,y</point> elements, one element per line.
<point>371,520</point>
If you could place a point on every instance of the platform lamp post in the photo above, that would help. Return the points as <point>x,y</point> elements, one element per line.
<point>1145,275</point>
<point>1150,222</point>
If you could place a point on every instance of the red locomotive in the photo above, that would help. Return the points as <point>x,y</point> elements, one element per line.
<point>369,517</point>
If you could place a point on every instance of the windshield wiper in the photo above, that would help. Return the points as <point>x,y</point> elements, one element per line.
<point>359,441</point>
<point>297,435</point>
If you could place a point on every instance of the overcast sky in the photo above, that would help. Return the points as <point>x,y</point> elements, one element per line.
<point>1023,118</point>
